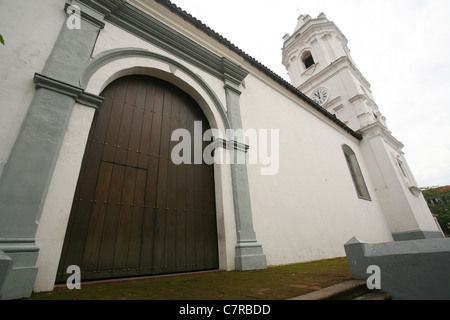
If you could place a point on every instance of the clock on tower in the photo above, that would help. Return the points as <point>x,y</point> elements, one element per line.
<point>320,96</point>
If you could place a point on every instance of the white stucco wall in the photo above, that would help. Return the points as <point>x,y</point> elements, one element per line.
<point>405,212</point>
<point>310,209</point>
<point>30,29</point>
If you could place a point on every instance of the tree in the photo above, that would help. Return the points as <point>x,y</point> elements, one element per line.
<point>444,222</point>
<point>439,204</point>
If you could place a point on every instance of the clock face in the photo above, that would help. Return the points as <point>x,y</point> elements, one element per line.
<point>320,96</point>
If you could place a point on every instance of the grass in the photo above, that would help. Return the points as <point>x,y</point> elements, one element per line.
<point>275,283</point>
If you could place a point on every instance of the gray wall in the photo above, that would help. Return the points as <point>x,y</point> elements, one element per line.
<point>410,270</point>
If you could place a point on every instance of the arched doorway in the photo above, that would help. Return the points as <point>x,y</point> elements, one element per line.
<point>135,212</point>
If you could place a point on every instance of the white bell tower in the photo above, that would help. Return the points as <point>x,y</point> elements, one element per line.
<point>320,65</point>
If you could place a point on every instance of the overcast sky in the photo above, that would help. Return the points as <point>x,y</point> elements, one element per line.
<point>402,47</point>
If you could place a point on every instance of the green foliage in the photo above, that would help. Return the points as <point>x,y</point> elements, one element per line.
<point>438,200</point>
<point>1,40</point>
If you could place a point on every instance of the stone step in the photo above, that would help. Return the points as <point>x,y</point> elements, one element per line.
<point>349,290</point>
<point>376,295</point>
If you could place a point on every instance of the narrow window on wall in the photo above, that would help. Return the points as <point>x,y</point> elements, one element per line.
<point>355,172</point>
<point>402,168</point>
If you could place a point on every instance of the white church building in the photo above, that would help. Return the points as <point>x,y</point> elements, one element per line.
<point>91,98</point>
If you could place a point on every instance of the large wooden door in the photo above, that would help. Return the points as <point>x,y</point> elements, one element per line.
<point>135,212</point>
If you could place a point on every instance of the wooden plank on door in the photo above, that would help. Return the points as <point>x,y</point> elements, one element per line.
<point>115,120</point>
<point>147,123</point>
<point>137,223</point>
<point>191,230</point>
<point>96,222</point>
<point>161,200</point>
<point>121,143</point>
<point>199,219</point>
<point>108,230</point>
<point>124,223</point>
<point>148,261</point>
<point>171,212</point>
<point>139,107</point>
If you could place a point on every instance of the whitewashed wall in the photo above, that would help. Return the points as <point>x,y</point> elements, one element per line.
<point>310,208</point>
<point>30,29</point>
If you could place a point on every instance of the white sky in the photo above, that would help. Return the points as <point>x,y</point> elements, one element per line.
<point>402,47</point>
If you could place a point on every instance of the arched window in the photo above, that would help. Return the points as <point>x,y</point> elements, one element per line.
<point>355,171</point>
<point>308,59</point>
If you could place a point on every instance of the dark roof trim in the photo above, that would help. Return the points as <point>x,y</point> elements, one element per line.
<point>200,25</point>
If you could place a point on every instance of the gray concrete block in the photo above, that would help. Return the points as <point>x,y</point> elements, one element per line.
<point>5,267</point>
<point>409,270</point>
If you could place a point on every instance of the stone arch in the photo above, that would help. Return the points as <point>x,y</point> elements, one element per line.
<point>113,64</point>
<point>116,63</point>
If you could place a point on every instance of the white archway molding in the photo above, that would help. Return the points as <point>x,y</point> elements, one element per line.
<point>113,64</point>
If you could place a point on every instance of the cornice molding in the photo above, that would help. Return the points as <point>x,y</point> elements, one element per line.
<point>329,71</point>
<point>143,25</point>
<point>231,145</point>
<point>77,93</point>
<point>311,29</point>
<point>116,54</point>
<point>378,130</point>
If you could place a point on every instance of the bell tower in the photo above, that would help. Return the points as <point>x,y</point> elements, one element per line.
<point>320,65</point>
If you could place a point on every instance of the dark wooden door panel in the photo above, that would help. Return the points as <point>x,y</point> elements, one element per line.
<point>135,212</point>
<point>96,219</point>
